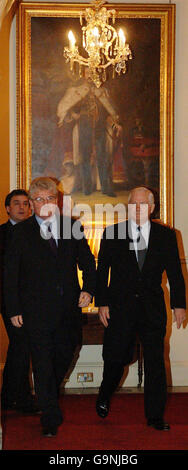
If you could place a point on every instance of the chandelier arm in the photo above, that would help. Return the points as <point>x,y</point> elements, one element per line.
<point>76,58</point>
<point>108,64</point>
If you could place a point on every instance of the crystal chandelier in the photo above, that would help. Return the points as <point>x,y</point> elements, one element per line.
<point>104,46</point>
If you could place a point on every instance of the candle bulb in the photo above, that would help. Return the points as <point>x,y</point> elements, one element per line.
<point>72,40</point>
<point>83,40</point>
<point>121,38</point>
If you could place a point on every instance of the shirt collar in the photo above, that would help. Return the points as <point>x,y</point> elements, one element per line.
<point>145,229</point>
<point>145,226</point>
<point>12,222</point>
<point>39,219</point>
<point>50,220</point>
<point>44,224</point>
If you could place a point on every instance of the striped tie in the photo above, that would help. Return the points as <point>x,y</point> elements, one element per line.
<point>141,249</point>
<point>52,241</point>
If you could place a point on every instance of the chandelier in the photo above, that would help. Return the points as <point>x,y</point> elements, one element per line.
<point>103,45</point>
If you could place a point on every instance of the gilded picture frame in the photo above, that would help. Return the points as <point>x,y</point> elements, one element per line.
<point>144,97</point>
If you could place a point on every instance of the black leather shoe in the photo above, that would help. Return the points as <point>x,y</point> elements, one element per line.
<point>102,407</point>
<point>49,431</point>
<point>160,425</point>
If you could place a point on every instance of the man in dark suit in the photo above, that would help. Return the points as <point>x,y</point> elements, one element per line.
<point>133,302</point>
<point>16,390</point>
<point>42,293</point>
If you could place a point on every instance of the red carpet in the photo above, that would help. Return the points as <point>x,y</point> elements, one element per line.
<point>124,429</point>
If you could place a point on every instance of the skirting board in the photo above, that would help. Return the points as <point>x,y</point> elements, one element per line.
<point>130,378</point>
<point>179,375</point>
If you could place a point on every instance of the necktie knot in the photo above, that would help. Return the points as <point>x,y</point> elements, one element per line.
<point>139,233</point>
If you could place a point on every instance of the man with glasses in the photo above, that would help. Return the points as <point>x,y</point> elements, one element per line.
<point>45,294</point>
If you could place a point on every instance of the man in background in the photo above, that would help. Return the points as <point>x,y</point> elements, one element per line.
<point>16,391</point>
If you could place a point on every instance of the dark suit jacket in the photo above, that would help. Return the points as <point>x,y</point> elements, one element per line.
<point>34,276</point>
<point>128,283</point>
<point>6,231</point>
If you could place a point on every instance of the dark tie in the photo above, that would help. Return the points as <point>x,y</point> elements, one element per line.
<point>141,249</point>
<point>52,241</point>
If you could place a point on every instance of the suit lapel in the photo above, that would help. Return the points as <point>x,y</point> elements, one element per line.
<point>151,245</point>
<point>61,245</point>
<point>40,241</point>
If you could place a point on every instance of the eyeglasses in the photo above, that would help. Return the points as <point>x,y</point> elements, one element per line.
<point>42,200</point>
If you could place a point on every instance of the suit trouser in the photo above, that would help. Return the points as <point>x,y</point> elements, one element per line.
<point>152,340</point>
<point>16,385</point>
<point>52,354</point>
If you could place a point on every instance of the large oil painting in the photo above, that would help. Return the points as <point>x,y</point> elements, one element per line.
<point>66,124</point>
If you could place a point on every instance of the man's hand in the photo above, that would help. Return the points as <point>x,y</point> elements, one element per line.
<point>179,316</point>
<point>84,299</point>
<point>104,315</point>
<point>17,321</point>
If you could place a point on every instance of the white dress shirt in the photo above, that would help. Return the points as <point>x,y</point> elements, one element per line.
<point>44,224</point>
<point>12,222</point>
